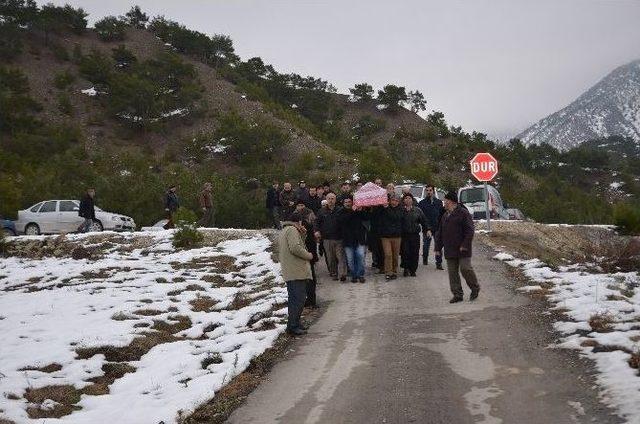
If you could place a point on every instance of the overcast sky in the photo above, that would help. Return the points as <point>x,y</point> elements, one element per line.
<point>494,66</point>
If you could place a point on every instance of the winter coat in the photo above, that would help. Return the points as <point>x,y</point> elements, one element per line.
<point>327,222</point>
<point>294,257</point>
<point>314,203</point>
<point>87,208</point>
<point>455,231</point>
<point>273,198</point>
<point>413,221</point>
<point>302,193</point>
<point>287,197</point>
<point>206,199</point>
<point>433,210</point>
<point>171,202</point>
<point>354,232</point>
<point>391,221</point>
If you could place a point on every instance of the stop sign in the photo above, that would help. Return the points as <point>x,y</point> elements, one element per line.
<point>484,167</point>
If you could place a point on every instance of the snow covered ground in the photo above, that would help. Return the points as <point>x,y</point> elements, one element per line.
<point>137,335</point>
<point>601,319</point>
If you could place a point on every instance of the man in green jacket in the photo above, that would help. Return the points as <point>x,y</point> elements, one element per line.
<point>296,269</point>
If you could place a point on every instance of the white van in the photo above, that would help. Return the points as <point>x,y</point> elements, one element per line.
<point>473,198</point>
<point>419,191</point>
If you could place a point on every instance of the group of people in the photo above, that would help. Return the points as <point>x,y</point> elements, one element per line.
<point>315,221</point>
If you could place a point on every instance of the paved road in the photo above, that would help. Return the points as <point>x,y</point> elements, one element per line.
<point>398,352</point>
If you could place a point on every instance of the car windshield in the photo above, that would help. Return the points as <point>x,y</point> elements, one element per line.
<point>472,195</point>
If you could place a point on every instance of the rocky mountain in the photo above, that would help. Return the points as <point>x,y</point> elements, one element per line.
<point>609,108</point>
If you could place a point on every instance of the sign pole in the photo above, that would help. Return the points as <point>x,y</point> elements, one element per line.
<point>486,206</point>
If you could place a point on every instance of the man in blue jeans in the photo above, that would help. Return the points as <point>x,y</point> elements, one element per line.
<point>354,238</point>
<point>433,209</point>
<point>296,269</point>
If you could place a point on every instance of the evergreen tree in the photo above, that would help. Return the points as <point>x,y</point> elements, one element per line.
<point>111,28</point>
<point>137,18</point>
<point>123,57</point>
<point>362,92</point>
<point>417,101</point>
<point>392,97</point>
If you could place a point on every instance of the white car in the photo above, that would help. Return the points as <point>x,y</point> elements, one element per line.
<point>61,216</point>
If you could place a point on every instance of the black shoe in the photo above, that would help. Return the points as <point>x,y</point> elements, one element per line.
<point>456,299</point>
<point>413,274</point>
<point>362,280</point>
<point>405,273</point>
<point>474,294</point>
<point>343,279</point>
<point>439,266</point>
<point>297,332</point>
<point>394,276</point>
<point>387,277</point>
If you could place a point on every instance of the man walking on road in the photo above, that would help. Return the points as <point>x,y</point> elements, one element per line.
<point>432,208</point>
<point>296,269</point>
<point>328,230</point>
<point>273,205</point>
<point>455,235</point>
<point>87,210</point>
<point>206,204</point>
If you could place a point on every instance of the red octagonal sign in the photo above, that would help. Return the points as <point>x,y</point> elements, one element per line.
<point>484,167</point>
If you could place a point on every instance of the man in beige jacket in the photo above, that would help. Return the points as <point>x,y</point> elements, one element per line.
<point>296,269</point>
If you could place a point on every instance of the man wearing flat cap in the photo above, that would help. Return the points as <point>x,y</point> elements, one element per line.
<point>455,236</point>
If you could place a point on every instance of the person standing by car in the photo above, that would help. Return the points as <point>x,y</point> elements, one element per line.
<point>273,205</point>
<point>455,236</point>
<point>296,271</point>
<point>432,208</point>
<point>171,205</point>
<point>206,204</point>
<point>328,231</point>
<point>412,222</point>
<point>390,235</point>
<point>287,201</point>
<point>87,210</point>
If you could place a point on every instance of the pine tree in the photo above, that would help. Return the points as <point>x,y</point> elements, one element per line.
<point>137,18</point>
<point>417,101</point>
<point>362,92</point>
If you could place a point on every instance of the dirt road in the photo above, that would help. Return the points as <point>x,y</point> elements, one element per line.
<point>398,352</point>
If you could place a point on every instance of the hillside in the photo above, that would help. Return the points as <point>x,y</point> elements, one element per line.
<point>132,106</point>
<point>609,108</point>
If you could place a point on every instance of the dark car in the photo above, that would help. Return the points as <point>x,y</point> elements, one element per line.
<point>8,227</point>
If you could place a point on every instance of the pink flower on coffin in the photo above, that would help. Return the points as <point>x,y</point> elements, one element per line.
<point>370,195</point>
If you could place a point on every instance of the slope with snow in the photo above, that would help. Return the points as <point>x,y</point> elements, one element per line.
<point>65,323</point>
<point>611,107</point>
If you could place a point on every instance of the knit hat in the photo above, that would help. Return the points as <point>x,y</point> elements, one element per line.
<point>452,195</point>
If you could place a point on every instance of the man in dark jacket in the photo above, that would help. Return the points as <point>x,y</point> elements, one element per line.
<point>455,235</point>
<point>354,238</point>
<point>391,235</point>
<point>328,230</point>
<point>413,222</point>
<point>314,202</point>
<point>287,201</point>
<point>273,204</point>
<point>171,205</point>
<point>302,192</point>
<point>87,210</point>
<point>432,208</point>
<point>345,191</point>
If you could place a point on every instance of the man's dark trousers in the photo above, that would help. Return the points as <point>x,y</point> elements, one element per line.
<point>410,251</point>
<point>311,288</point>
<point>457,266</point>
<point>426,245</point>
<point>297,292</point>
